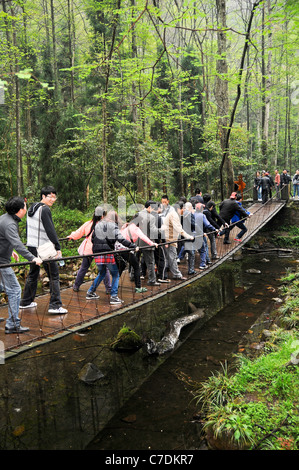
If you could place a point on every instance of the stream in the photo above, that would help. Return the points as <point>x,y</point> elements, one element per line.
<point>140,400</point>
<point>162,414</point>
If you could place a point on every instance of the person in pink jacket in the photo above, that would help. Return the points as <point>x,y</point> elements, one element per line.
<point>133,233</point>
<point>86,249</point>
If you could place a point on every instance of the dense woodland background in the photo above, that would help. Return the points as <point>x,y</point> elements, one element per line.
<point>103,98</point>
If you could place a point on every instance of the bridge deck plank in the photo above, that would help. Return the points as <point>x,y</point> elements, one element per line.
<point>81,311</point>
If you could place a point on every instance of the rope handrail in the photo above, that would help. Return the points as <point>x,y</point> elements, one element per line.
<point>150,247</point>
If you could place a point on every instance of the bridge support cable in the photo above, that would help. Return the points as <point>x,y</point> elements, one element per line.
<point>81,311</point>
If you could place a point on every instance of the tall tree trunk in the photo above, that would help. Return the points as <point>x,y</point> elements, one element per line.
<point>71,41</point>
<point>221,95</point>
<point>139,179</point>
<point>229,172</point>
<point>104,151</point>
<point>54,64</point>
<point>20,181</point>
<point>28,128</point>
<point>181,143</point>
<point>266,84</point>
<point>104,102</point>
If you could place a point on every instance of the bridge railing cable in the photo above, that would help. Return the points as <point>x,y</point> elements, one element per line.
<point>258,215</point>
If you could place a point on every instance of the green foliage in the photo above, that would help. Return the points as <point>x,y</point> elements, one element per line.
<point>68,220</point>
<point>126,339</point>
<point>256,407</point>
<point>291,238</point>
<point>108,93</point>
<point>257,399</point>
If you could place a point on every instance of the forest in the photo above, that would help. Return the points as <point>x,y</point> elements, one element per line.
<point>137,98</point>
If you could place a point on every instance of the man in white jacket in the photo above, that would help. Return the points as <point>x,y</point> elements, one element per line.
<point>40,229</point>
<point>173,230</point>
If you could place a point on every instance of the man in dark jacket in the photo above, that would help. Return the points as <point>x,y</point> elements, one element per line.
<point>197,198</point>
<point>228,208</point>
<point>10,240</point>
<point>216,221</point>
<point>271,183</point>
<point>265,184</point>
<point>285,178</point>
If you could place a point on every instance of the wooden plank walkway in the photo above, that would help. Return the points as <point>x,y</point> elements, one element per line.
<point>83,313</point>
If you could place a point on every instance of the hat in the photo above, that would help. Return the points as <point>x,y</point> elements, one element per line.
<point>233,195</point>
<point>98,211</point>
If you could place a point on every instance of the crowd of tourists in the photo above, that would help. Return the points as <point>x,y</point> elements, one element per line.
<point>152,244</point>
<point>264,183</point>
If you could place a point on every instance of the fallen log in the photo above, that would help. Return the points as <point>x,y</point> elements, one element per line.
<point>168,342</point>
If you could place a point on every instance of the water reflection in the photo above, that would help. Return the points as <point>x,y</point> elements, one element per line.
<point>45,405</point>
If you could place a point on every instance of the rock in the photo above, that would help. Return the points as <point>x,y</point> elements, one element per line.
<point>126,340</point>
<point>277,300</point>
<point>267,334</point>
<point>213,360</point>
<point>254,271</point>
<point>257,346</point>
<point>90,373</point>
<point>65,277</point>
<point>129,419</point>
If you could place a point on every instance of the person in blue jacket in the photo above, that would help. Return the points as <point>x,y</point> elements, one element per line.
<point>237,219</point>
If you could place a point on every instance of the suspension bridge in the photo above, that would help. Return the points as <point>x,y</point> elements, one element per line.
<point>83,313</point>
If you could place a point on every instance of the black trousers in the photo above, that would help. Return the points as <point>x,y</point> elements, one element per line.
<point>264,195</point>
<point>134,263</point>
<point>30,288</point>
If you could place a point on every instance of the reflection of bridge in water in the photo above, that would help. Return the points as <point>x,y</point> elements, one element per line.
<point>83,313</point>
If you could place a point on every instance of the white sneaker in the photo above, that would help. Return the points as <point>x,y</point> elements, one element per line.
<point>115,300</point>
<point>57,311</point>
<point>33,304</point>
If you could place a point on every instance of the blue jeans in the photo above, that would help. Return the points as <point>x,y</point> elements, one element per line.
<point>191,261</point>
<point>243,229</point>
<point>86,262</point>
<point>10,285</point>
<point>182,253</point>
<point>102,273</point>
<point>205,242</point>
<point>296,189</point>
<point>203,253</point>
